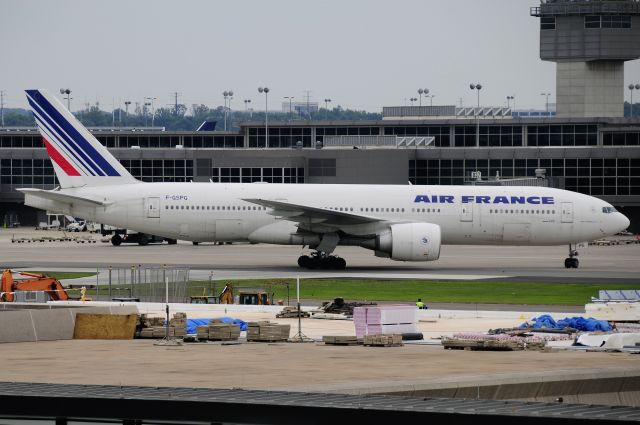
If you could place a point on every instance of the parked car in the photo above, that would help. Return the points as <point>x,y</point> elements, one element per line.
<point>77,226</point>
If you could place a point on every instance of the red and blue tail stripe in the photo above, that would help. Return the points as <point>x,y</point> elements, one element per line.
<point>66,145</point>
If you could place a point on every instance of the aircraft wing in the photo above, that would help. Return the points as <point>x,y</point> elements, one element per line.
<point>62,197</point>
<point>313,215</point>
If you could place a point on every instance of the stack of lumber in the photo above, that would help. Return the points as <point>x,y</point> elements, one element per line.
<point>154,327</point>
<point>342,340</point>
<point>291,312</point>
<point>218,331</point>
<point>383,340</point>
<point>202,333</point>
<point>179,323</point>
<point>385,319</point>
<point>266,331</point>
<point>469,341</point>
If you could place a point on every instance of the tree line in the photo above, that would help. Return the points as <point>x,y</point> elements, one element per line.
<point>180,119</point>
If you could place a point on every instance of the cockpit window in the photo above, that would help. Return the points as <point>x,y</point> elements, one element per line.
<point>608,210</point>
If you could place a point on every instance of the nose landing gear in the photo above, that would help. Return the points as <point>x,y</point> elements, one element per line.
<point>571,262</point>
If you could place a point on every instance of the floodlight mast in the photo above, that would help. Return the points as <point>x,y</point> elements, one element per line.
<point>265,90</point>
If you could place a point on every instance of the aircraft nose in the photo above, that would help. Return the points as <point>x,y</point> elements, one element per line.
<point>624,222</point>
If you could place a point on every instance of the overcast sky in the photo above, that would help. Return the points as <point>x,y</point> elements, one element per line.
<point>362,54</point>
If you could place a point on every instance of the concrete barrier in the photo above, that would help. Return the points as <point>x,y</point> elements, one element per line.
<point>32,325</point>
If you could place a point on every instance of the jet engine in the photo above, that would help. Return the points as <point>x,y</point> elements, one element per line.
<point>410,242</point>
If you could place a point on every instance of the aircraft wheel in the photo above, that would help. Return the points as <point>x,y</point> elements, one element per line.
<point>314,263</point>
<point>143,240</point>
<point>303,261</point>
<point>575,263</point>
<point>195,243</point>
<point>116,240</point>
<point>172,241</point>
<point>567,263</point>
<point>341,264</point>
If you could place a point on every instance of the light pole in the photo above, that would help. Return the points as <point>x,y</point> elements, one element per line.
<point>422,92</point>
<point>413,99</point>
<point>126,109</point>
<point>509,99</point>
<point>477,87</point>
<point>153,112</point>
<point>68,93</point>
<point>290,110</point>
<point>145,112</point>
<point>246,107</point>
<point>631,87</point>
<point>547,100</point>
<point>265,90</point>
<point>227,96</point>
<point>326,108</point>
<point>431,96</point>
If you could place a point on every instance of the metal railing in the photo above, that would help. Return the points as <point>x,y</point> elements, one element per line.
<point>628,7</point>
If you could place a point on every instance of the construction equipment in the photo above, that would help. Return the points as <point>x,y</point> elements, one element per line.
<point>226,296</point>
<point>245,296</point>
<point>253,297</point>
<point>38,282</point>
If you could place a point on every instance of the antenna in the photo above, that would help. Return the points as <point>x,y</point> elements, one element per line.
<point>307,96</point>
<point>175,95</point>
<point>2,107</point>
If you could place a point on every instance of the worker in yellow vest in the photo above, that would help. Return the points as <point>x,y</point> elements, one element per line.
<point>420,304</point>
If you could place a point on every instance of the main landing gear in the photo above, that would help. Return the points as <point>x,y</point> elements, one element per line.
<point>571,262</point>
<point>319,260</point>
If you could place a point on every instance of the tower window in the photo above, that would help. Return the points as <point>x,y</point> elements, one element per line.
<point>548,23</point>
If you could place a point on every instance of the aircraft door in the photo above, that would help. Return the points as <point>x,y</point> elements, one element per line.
<point>567,212</point>
<point>152,205</point>
<point>466,212</point>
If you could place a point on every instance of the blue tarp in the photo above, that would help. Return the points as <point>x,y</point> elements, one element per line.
<point>192,324</point>
<point>579,323</point>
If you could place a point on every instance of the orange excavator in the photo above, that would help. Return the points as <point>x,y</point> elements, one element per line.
<point>39,282</point>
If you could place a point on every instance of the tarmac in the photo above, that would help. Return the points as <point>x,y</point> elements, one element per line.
<point>419,368</point>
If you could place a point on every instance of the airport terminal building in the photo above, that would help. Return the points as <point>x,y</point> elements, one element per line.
<point>595,156</point>
<point>588,146</point>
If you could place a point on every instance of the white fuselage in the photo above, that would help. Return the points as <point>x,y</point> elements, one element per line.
<point>489,215</point>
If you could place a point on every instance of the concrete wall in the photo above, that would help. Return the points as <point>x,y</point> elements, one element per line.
<point>32,325</point>
<point>590,89</point>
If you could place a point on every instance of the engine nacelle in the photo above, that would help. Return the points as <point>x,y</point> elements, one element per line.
<point>411,242</point>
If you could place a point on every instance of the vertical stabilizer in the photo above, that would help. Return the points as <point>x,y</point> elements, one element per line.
<point>77,156</point>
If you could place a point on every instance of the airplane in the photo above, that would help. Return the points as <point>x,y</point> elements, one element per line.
<point>403,223</point>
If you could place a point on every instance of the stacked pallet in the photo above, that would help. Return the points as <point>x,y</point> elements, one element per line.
<point>179,323</point>
<point>383,340</point>
<point>218,331</point>
<point>154,327</point>
<point>492,342</point>
<point>290,312</point>
<point>342,340</point>
<point>385,320</point>
<point>266,331</point>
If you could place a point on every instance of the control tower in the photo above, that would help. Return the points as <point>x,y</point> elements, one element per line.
<point>589,40</point>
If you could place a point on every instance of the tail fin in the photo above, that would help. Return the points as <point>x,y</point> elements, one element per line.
<point>78,158</point>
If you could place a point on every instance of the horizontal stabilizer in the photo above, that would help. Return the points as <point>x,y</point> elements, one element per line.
<point>62,197</point>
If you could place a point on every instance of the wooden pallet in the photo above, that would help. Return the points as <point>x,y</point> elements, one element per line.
<point>342,340</point>
<point>490,345</point>
<point>394,340</point>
